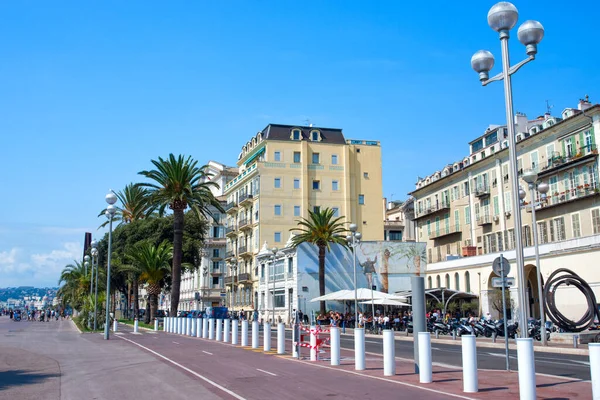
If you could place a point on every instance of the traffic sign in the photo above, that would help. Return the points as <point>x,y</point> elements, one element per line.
<point>223,294</point>
<point>505,264</point>
<point>508,282</point>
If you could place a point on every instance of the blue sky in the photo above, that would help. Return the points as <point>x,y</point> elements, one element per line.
<point>91,91</point>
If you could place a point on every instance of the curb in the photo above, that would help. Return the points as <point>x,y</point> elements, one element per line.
<point>76,327</point>
<point>139,327</point>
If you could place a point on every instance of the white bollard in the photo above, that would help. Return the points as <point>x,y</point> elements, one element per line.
<point>156,324</point>
<point>211,329</point>
<point>135,325</point>
<point>469,361</point>
<point>594,349</point>
<point>234,332</point>
<point>188,326</point>
<point>267,337</point>
<point>244,341</point>
<point>179,325</point>
<point>219,330</point>
<point>526,365</point>
<point>183,325</point>
<point>115,325</point>
<point>314,352</point>
<point>335,345</point>
<point>281,338</point>
<point>255,334</point>
<point>204,328</point>
<point>166,324</point>
<point>359,349</point>
<point>226,326</point>
<point>389,353</point>
<point>425,367</point>
<point>193,330</point>
<point>198,327</point>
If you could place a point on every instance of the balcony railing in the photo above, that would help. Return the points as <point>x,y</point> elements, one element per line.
<point>244,277</point>
<point>230,206</point>
<point>559,161</point>
<point>230,229</point>
<point>482,190</point>
<point>242,249</point>
<point>214,241</point>
<point>245,198</point>
<point>448,230</point>
<point>243,223</point>
<point>393,223</point>
<point>230,254</point>
<point>484,220</point>
<point>443,205</point>
<point>580,192</point>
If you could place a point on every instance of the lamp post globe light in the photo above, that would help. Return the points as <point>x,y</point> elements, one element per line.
<point>95,262</point>
<point>111,199</point>
<point>86,262</point>
<point>353,241</point>
<point>530,177</point>
<point>502,17</point>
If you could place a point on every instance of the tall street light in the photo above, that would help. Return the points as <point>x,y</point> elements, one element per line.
<point>111,199</point>
<point>502,17</point>
<point>353,241</point>
<point>531,177</point>
<point>95,261</point>
<point>274,251</point>
<point>233,267</point>
<point>86,263</point>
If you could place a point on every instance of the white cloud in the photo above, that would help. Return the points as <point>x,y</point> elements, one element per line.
<point>8,257</point>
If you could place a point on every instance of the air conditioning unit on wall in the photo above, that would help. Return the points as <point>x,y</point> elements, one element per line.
<point>496,219</point>
<point>507,214</point>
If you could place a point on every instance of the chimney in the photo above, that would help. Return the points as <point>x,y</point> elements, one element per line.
<point>584,104</point>
<point>520,122</point>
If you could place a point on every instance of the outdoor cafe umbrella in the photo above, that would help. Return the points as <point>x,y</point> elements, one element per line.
<point>387,302</point>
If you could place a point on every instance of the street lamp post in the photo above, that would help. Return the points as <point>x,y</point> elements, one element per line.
<point>353,240</point>
<point>531,177</point>
<point>95,261</point>
<point>502,17</point>
<point>203,289</point>
<point>111,199</point>
<point>274,250</point>
<point>86,263</point>
<point>234,268</point>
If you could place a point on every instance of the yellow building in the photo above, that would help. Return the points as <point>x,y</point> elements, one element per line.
<point>465,213</point>
<point>284,171</point>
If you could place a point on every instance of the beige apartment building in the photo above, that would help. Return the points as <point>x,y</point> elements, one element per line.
<point>465,212</point>
<point>284,171</point>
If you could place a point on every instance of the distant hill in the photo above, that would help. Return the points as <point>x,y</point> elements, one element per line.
<point>25,291</point>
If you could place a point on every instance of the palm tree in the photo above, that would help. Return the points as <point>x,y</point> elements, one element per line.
<point>134,205</point>
<point>152,264</point>
<point>321,229</point>
<point>179,184</point>
<point>75,285</point>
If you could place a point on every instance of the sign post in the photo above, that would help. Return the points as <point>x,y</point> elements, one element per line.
<point>502,270</point>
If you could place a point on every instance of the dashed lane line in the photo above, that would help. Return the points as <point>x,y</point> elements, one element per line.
<point>266,372</point>
<point>210,354</point>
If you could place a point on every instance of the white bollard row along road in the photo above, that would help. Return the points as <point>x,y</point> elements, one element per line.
<point>188,326</point>
<point>234,332</point>
<point>115,323</point>
<point>166,324</point>
<point>245,333</point>
<point>469,361</point>
<point>194,323</point>
<point>267,337</point>
<point>594,349</point>
<point>205,328</point>
<point>198,327</point>
<point>389,353</point>
<point>135,325</point>
<point>281,338</point>
<point>359,349</point>
<point>255,334</point>
<point>211,329</point>
<point>156,324</point>
<point>219,330</point>
<point>526,365</point>
<point>226,325</point>
<point>425,367</point>
<point>179,325</point>
<point>335,346</point>
<point>313,344</point>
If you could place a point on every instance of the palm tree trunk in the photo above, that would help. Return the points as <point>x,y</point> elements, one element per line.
<point>128,300</point>
<point>153,306</point>
<point>177,255</point>
<point>322,277</point>
<point>136,298</point>
<point>147,316</point>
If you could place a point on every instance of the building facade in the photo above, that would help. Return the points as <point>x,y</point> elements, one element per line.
<point>399,220</point>
<point>465,212</point>
<point>284,171</point>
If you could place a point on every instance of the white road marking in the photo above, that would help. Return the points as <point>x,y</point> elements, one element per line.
<point>372,341</point>
<point>175,343</point>
<point>266,372</point>
<point>210,354</point>
<point>229,392</point>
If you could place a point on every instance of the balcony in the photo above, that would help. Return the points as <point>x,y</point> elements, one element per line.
<point>231,230</point>
<point>244,251</point>
<point>559,161</point>
<point>230,254</point>
<point>244,224</point>
<point>228,280</point>
<point>449,230</point>
<point>484,220</point>
<point>214,241</point>
<point>231,207</point>
<point>569,196</point>
<point>244,277</point>
<point>482,191</point>
<point>441,206</point>
<point>246,199</point>
<point>393,223</point>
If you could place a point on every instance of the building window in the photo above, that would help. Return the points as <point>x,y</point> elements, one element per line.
<point>395,235</point>
<point>316,209</point>
<point>429,228</point>
<point>277,183</point>
<point>467,215</point>
<point>277,209</point>
<point>296,134</point>
<point>215,281</point>
<point>507,202</point>
<point>542,232</point>
<point>576,225</point>
<point>336,212</point>
<point>559,227</point>
<point>315,158</point>
<point>279,298</point>
<point>277,156</point>
<point>334,159</point>
<point>366,175</point>
<point>457,281</point>
<point>316,185</point>
<point>527,241</point>
<point>216,253</point>
<point>500,241</point>
<point>315,136</point>
<point>277,237</point>
<point>361,199</point>
<point>296,211</point>
<point>467,282</point>
<point>429,283</point>
<point>296,183</point>
<point>596,221</point>
<point>448,281</point>
<point>334,185</point>
<point>438,280</point>
<point>296,157</point>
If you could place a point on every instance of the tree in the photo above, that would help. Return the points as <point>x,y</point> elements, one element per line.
<point>134,205</point>
<point>495,297</point>
<point>151,264</point>
<point>75,285</point>
<point>179,184</point>
<point>321,228</point>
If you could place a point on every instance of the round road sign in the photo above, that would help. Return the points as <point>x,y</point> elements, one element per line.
<point>505,264</point>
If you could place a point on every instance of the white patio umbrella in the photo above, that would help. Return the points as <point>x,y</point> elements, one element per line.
<point>387,302</point>
<point>361,294</point>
